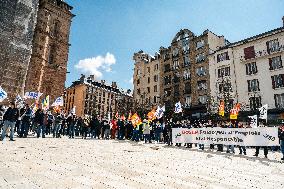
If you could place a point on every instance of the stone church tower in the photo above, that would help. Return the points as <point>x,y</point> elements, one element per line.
<point>48,64</point>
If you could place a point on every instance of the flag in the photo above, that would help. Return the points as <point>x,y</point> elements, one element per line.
<point>18,99</point>
<point>178,107</point>
<point>32,95</point>
<point>35,107</point>
<point>58,101</point>
<point>160,112</point>
<point>45,103</point>
<point>222,108</point>
<point>122,117</point>
<point>3,94</point>
<point>263,112</point>
<point>56,109</point>
<point>253,121</point>
<point>129,116</point>
<point>151,115</point>
<point>135,119</point>
<point>235,111</point>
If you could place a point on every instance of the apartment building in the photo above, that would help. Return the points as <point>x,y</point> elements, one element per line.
<point>93,97</point>
<point>254,67</point>
<point>146,80</point>
<point>185,70</point>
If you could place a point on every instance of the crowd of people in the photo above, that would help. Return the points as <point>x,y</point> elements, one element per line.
<point>57,124</point>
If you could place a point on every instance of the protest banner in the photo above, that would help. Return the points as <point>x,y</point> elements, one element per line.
<point>262,136</point>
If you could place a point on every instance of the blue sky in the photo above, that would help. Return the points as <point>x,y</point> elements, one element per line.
<point>106,33</point>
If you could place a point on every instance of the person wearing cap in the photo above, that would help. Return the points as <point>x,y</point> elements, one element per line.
<point>10,118</point>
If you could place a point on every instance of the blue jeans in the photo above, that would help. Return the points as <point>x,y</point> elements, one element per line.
<point>56,129</point>
<point>135,135</point>
<point>147,138</point>
<point>282,146</point>
<point>8,124</point>
<point>25,128</point>
<point>41,130</point>
<point>71,131</point>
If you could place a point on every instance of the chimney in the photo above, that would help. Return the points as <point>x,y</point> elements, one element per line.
<point>82,78</point>
<point>113,84</point>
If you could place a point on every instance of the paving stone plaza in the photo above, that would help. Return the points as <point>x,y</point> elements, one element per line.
<point>76,163</point>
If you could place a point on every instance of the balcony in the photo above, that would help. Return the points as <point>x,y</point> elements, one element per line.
<point>263,53</point>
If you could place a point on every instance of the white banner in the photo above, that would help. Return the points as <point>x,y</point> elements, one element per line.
<point>58,101</point>
<point>262,136</point>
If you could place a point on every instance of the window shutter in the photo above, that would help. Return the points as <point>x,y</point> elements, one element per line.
<point>270,64</point>
<point>280,62</point>
<point>275,100</point>
<point>247,69</point>
<point>273,82</point>
<point>218,58</point>
<point>257,85</point>
<point>249,89</point>
<point>267,47</point>
<point>282,76</point>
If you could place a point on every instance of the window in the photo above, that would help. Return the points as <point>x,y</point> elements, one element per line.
<point>223,72</point>
<point>55,28</point>
<point>225,87</point>
<point>148,89</point>
<point>186,61</point>
<point>200,44</point>
<point>155,88</point>
<point>138,81</point>
<point>202,99</point>
<point>175,52</point>
<point>222,57</point>
<point>249,52</point>
<point>253,85</point>
<point>251,68</point>
<point>275,63</point>
<point>279,100</point>
<point>201,85</point>
<point>175,64</point>
<point>155,99</point>
<point>166,56</point>
<point>51,52</point>
<point>185,46</point>
<point>176,90</point>
<point>255,102</point>
<point>200,71</point>
<point>156,78</point>
<point>148,79</point>
<point>187,101</point>
<point>277,81</point>
<point>200,57</point>
<point>186,75</point>
<point>176,78</point>
<point>156,67</point>
<point>187,88</point>
<point>167,80</point>
<point>272,46</point>
<point>167,68</point>
<point>148,69</point>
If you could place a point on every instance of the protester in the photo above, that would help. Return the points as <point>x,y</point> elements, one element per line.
<point>146,131</point>
<point>26,122</point>
<point>10,117</point>
<point>281,138</point>
<point>57,126</point>
<point>71,121</point>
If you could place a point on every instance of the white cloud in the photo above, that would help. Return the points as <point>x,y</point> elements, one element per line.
<point>96,65</point>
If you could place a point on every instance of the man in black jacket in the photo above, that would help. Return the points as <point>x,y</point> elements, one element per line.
<point>281,137</point>
<point>10,118</point>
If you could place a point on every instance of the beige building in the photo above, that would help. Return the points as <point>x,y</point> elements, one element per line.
<point>48,64</point>
<point>146,80</point>
<point>93,97</point>
<point>254,67</point>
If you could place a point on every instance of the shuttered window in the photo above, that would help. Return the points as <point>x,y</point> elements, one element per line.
<point>249,52</point>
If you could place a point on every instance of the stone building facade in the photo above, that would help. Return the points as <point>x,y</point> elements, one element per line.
<point>254,68</point>
<point>17,23</point>
<point>146,80</point>
<point>183,70</point>
<point>48,64</point>
<point>96,98</point>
